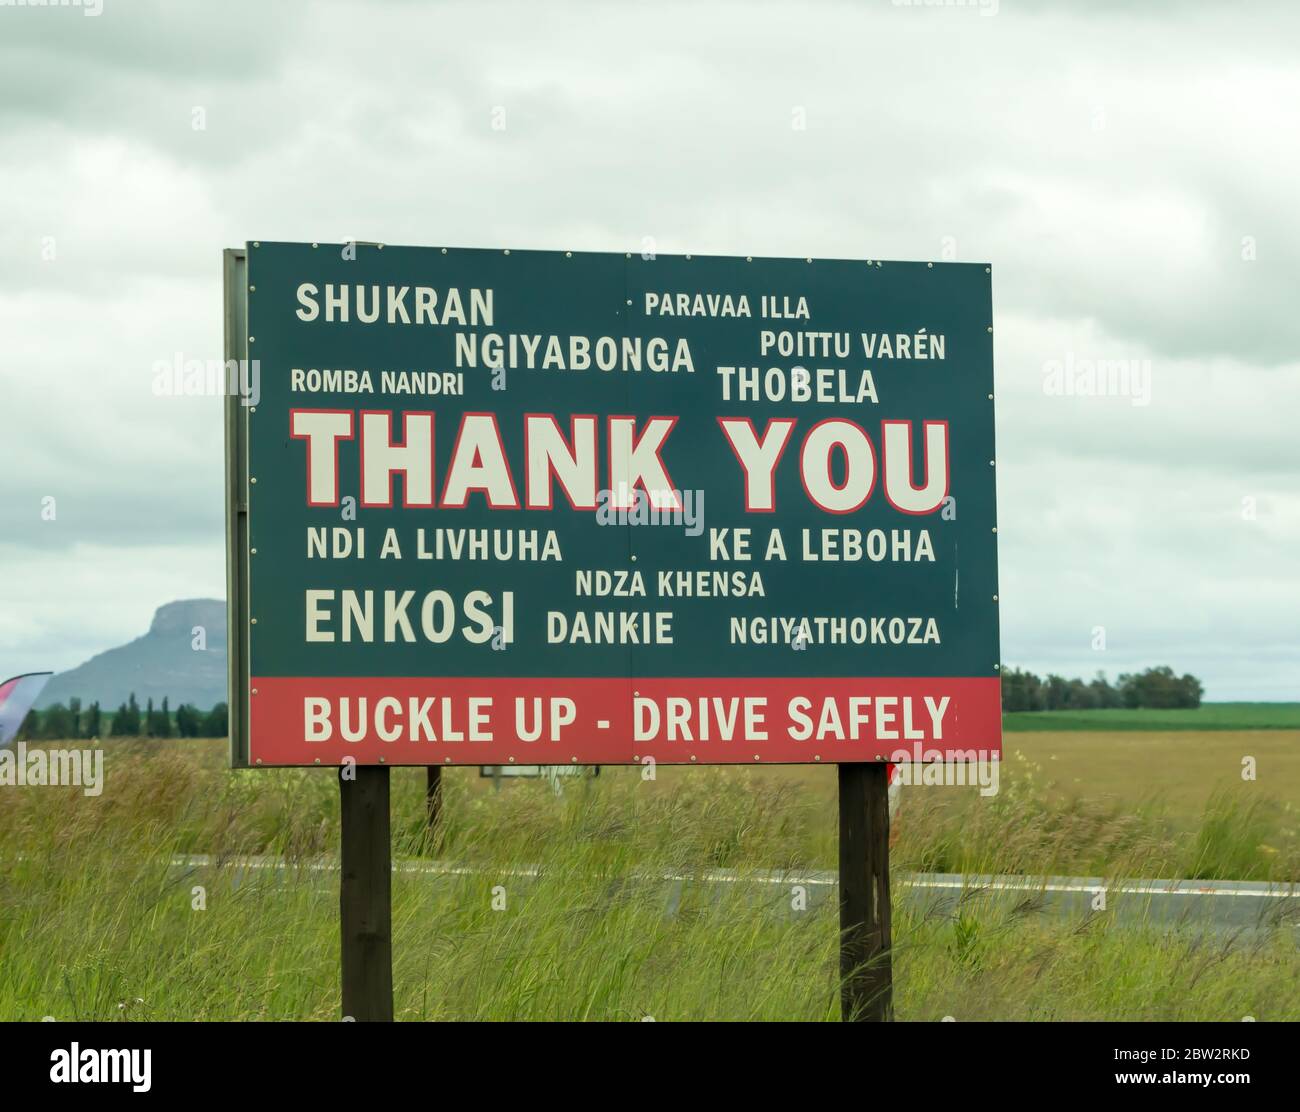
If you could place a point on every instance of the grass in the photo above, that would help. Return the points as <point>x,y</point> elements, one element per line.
<point>1208,716</point>
<point>94,925</point>
<point>1177,773</point>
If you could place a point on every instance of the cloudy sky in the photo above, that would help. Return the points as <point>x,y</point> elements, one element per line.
<point>1130,174</point>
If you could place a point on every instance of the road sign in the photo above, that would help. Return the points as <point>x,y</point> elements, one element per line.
<point>542,507</point>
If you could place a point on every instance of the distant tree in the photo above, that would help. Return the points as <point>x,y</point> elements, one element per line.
<point>1107,696</point>
<point>1056,692</point>
<point>1081,696</point>
<point>94,722</point>
<point>1021,690</point>
<point>216,722</point>
<point>57,723</point>
<point>1159,688</point>
<point>1156,688</point>
<point>74,709</point>
<point>30,728</point>
<point>1013,698</point>
<point>189,721</point>
<point>157,720</point>
<point>1192,690</point>
<point>126,722</point>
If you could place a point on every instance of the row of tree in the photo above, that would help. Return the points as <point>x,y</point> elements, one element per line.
<point>57,721</point>
<point>1155,688</point>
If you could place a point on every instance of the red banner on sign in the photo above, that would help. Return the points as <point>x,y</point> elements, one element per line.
<point>773,720</point>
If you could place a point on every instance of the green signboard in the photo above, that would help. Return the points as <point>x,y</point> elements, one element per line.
<point>542,507</point>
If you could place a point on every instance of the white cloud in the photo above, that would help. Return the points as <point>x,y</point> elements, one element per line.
<point>1107,162</point>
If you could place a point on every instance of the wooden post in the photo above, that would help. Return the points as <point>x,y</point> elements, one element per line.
<point>365,895</point>
<point>433,805</point>
<point>866,971</point>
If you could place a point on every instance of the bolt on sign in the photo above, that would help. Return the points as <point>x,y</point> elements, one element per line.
<point>540,507</point>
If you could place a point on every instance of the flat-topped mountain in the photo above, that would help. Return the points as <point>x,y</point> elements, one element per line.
<point>162,663</point>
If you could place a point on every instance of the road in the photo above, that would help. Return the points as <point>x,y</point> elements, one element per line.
<point>1222,906</point>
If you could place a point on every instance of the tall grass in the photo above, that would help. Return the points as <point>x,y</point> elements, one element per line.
<point>1025,829</point>
<point>95,923</point>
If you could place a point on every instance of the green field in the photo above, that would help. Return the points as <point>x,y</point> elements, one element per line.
<point>95,924</point>
<point>1208,716</point>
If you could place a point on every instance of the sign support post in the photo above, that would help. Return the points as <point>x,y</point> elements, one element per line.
<point>866,966</point>
<point>365,894</point>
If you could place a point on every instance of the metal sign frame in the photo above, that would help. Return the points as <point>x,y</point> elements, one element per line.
<point>235,298</point>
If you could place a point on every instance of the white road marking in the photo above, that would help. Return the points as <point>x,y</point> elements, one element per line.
<point>1250,889</point>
